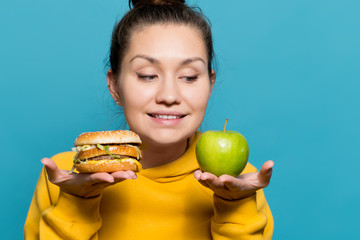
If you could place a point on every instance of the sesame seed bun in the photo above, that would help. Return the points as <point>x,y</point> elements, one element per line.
<point>107,137</point>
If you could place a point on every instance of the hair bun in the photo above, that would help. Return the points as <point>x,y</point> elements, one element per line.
<point>138,3</point>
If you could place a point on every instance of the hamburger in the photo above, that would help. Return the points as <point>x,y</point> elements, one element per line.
<point>107,151</point>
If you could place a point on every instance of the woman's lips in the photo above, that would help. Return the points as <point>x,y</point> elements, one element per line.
<point>169,118</point>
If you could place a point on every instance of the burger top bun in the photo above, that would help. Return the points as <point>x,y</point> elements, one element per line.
<point>107,137</point>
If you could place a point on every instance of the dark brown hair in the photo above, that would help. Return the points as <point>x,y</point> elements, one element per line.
<point>149,12</point>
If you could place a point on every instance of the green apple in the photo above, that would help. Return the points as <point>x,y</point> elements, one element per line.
<point>222,152</point>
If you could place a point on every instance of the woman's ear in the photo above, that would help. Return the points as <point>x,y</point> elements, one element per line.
<point>212,78</point>
<point>111,83</point>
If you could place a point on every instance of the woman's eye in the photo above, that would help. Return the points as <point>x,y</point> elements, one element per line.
<point>190,78</point>
<point>146,77</point>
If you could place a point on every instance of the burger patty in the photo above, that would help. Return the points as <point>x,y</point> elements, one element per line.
<point>112,150</point>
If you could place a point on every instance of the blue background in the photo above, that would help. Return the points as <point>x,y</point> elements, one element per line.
<point>288,79</point>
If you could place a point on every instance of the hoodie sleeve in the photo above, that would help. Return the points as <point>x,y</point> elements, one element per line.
<point>247,218</point>
<point>54,214</point>
<point>242,219</point>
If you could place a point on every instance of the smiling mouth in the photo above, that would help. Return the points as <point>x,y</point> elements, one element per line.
<point>166,117</point>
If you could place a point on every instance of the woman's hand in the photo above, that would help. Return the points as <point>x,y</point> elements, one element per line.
<point>83,184</point>
<point>231,188</point>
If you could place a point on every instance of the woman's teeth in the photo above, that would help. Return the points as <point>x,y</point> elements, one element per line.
<point>166,116</point>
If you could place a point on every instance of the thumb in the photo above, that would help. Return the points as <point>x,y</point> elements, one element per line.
<point>265,172</point>
<point>52,169</point>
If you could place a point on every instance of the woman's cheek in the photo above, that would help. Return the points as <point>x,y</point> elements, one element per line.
<point>199,97</point>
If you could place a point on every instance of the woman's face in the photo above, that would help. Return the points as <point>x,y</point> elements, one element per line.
<point>164,85</point>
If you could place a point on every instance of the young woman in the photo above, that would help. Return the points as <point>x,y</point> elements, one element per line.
<point>161,75</point>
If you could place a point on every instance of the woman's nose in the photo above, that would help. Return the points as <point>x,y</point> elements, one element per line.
<point>168,92</point>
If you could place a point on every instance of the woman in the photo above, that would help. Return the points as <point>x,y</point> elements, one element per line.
<point>160,73</point>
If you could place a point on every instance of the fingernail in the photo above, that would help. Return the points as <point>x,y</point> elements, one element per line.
<point>134,177</point>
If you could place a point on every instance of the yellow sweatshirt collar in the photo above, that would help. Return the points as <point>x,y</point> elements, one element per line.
<point>177,169</point>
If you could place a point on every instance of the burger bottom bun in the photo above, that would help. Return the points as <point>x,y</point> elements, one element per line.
<point>108,166</point>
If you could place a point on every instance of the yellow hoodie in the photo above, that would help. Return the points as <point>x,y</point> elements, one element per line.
<point>164,202</point>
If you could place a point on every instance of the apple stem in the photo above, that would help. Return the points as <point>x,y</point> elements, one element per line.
<point>226,120</point>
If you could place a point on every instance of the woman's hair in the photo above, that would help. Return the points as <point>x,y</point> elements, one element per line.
<point>148,12</point>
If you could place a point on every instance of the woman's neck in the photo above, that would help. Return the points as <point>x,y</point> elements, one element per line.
<point>157,155</point>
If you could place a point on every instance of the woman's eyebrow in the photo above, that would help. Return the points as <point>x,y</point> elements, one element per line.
<point>150,59</point>
<point>155,61</point>
<point>190,60</point>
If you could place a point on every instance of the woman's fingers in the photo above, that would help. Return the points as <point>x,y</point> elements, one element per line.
<point>197,175</point>
<point>208,180</point>
<point>122,175</point>
<point>83,184</point>
<point>213,181</point>
<point>54,173</point>
<point>232,183</point>
<point>249,181</point>
<point>50,167</point>
<point>265,173</point>
<point>230,187</point>
<point>99,177</point>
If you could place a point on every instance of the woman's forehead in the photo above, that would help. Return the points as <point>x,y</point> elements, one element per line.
<point>161,41</point>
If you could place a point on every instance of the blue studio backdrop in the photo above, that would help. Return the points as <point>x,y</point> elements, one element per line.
<point>288,77</point>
